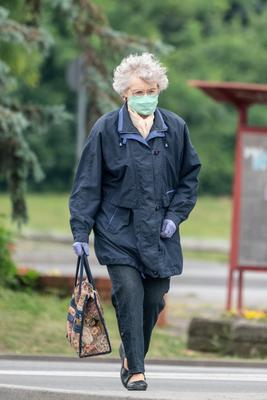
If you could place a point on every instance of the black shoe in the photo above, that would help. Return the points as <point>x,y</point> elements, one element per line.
<point>125,376</point>
<point>137,385</point>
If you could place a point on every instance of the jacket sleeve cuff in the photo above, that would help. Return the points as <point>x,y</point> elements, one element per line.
<point>81,238</point>
<point>174,217</point>
<point>80,230</point>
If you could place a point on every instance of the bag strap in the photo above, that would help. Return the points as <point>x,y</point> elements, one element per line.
<point>77,269</point>
<point>82,263</point>
<point>79,265</point>
<point>88,270</point>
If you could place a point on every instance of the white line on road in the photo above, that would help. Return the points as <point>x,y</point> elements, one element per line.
<point>255,377</point>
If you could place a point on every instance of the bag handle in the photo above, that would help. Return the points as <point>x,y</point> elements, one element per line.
<point>78,265</point>
<point>82,263</point>
<point>88,270</point>
<point>77,269</point>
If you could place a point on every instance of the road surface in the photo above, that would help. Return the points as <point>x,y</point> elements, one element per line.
<point>89,379</point>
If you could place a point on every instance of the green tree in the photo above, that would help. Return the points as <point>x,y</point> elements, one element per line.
<point>209,39</point>
<point>23,46</point>
<point>78,28</point>
<point>212,40</point>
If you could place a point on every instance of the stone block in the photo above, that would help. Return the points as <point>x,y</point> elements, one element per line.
<point>237,337</point>
<point>209,335</point>
<point>253,332</point>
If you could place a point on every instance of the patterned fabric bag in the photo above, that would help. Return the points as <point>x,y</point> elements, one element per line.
<point>86,328</point>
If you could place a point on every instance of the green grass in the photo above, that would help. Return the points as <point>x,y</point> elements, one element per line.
<point>47,212</point>
<point>34,323</point>
<point>209,219</point>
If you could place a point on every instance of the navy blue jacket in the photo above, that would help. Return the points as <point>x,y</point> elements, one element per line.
<point>125,185</point>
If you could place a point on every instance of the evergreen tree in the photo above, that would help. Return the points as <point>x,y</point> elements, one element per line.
<point>23,47</point>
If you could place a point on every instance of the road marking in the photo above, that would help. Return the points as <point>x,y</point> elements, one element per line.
<point>245,377</point>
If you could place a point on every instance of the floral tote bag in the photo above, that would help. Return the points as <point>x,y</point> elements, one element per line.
<point>86,328</point>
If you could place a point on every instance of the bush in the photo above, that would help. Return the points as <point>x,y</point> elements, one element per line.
<point>28,280</point>
<point>9,274</point>
<point>7,266</point>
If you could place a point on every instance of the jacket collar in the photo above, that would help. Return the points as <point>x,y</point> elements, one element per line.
<point>125,124</point>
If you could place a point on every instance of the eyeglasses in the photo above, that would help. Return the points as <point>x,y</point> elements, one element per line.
<point>144,92</point>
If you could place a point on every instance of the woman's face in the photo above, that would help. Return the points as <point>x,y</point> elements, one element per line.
<point>139,87</point>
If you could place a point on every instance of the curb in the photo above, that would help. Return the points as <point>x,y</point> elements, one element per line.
<point>111,360</point>
<point>11,392</point>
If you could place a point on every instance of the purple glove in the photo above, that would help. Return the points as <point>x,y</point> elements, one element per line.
<point>80,248</point>
<point>168,228</point>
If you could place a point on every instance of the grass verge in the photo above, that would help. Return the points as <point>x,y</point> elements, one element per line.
<point>34,323</point>
<point>209,219</point>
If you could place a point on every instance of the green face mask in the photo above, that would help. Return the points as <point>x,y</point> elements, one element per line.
<point>143,105</point>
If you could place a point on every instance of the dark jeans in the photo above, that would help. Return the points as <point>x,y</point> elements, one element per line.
<point>138,302</point>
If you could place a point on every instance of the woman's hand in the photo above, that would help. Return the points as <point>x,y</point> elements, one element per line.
<point>80,248</point>
<point>168,228</point>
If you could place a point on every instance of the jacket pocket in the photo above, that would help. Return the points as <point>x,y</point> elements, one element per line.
<point>167,197</point>
<point>117,218</point>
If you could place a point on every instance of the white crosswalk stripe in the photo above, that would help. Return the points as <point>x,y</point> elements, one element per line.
<point>237,376</point>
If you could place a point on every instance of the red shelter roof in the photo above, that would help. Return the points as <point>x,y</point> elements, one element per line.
<point>237,93</point>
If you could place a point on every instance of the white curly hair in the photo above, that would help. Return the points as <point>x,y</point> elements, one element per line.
<point>144,66</point>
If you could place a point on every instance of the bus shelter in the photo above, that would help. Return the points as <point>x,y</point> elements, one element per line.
<point>249,212</point>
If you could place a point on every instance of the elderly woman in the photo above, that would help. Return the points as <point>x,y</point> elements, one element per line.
<point>136,181</point>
